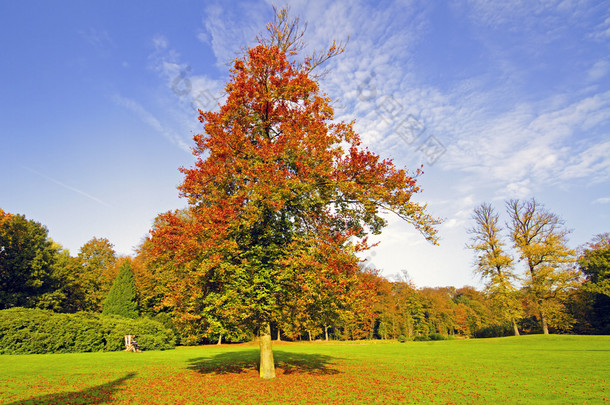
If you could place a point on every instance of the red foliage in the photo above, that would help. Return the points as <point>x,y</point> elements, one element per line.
<point>274,199</point>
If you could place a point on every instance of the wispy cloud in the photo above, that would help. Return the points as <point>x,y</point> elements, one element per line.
<point>599,70</point>
<point>592,163</point>
<point>64,185</point>
<point>532,144</point>
<point>603,200</point>
<point>99,38</point>
<point>602,30</point>
<point>148,118</point>
<point>185,91</point>
<point>521,145</point>
<point>227,32</point>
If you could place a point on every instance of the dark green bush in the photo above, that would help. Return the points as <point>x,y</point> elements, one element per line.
<point>402,338</point>
<point>421,339</point>
<point>494,331</point>
<point>437,336</point>
<point>31,331</point>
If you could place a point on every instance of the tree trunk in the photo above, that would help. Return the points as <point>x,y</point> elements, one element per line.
<point>516,328</point>
<point>219,339</point>
<point>309,333</point>
<point>326,333</point>
<point>267,367</point>
<point>545,327</point>
<point>279,334</point>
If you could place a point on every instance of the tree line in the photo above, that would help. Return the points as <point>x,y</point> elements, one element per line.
<point>36,272</point>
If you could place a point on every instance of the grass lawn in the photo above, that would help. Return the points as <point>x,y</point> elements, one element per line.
<point>528,369</point>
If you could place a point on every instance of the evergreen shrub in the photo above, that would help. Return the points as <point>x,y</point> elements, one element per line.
<point>121,299</point>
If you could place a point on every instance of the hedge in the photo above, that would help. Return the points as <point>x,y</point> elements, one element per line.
<point>35,331</point>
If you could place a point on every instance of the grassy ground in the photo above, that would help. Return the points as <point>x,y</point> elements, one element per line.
<point>528,369</point>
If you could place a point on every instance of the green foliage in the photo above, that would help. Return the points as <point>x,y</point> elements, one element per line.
<point>432,337</point>
<point>68,295</point>
<point>166,320</point>
<point>122,299</point>
<point>35,331</point>
<point>594,262</point>
<point>402,338</point>
<point>494,331</point>
<point>437,336</point>
<point>27,256</point>
<point>95,259</point>
<point>36,272</point>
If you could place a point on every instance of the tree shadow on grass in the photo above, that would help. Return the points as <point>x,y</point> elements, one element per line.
<point>248,361</point>
<point>100,394</point>
<point>316,364</point>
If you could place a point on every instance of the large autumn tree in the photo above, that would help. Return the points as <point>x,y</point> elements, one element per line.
<point>275,198</point>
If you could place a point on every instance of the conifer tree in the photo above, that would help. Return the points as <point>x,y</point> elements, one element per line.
<point>121,299</point>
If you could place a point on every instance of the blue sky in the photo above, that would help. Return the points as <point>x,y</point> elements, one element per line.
<point>497,100</point>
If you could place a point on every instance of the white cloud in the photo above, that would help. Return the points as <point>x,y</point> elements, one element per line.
<point>518,190</point>
<point>532,144</point>
<point>592,163</point>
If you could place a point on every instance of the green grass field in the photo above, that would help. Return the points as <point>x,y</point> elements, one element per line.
<point>528,369</point>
